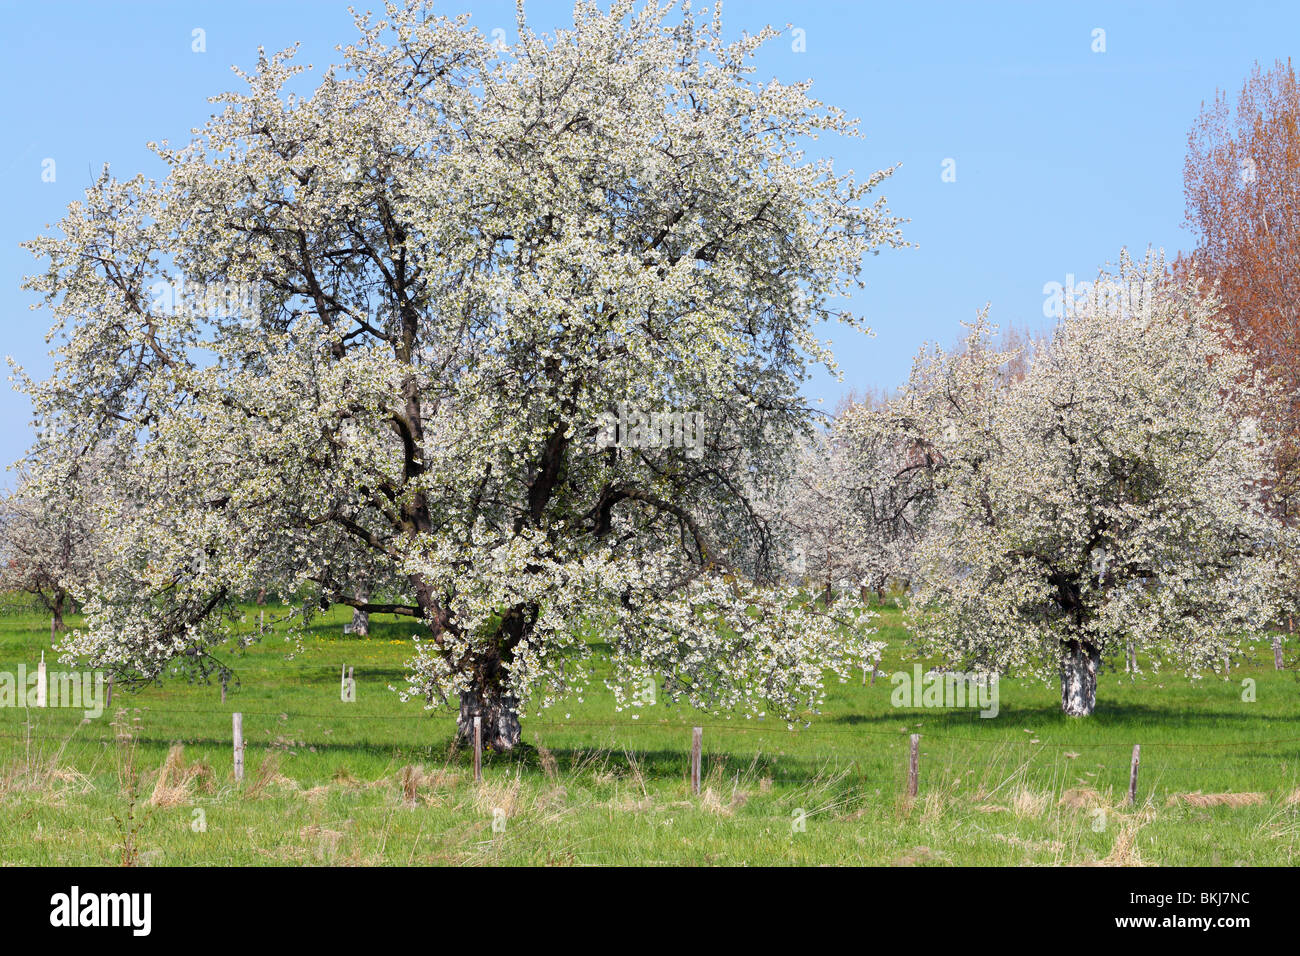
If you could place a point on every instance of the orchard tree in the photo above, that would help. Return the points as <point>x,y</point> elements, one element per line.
<point>1110,496</point>
<point>50,534</point>
<point>856,502</point>
<point>889,496</point>
<point>819,528</point>
<point>449,263</point>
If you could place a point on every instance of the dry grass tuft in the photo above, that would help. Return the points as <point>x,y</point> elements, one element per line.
<point>920,856</point>
<point>1124,852</point>
<point>327,841</point>
<point>550,798</point>
<point>506,797</point>
<point>712,788</point>
<point>1029,803</point>
<point>709,800</point>
<point>631,803</point>
<point>176,781</point>
<point>268,776</point>
<point>935,802</point>
<point>420,785</point>
<point>410,787</point>
<point>1199,799</point>
<point>41,770</point>
<point>1033,846</point>
<point>1082,798</point>
<point>712,801</point>
<point>343,776</point>
<point>550,767</point>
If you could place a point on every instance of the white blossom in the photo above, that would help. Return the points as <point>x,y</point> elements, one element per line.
<point>462,257</point>
<point>1108,498</point>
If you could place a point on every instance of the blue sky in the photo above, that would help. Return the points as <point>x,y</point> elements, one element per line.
<point>1062,155</point>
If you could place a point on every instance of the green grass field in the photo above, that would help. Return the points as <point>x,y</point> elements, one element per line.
<point>376,781</point>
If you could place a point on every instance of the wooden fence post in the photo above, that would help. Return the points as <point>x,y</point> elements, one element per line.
<point>478,748</point>
<point>1133,774</point>
<point>914,767</point>
<point>237,724</point>
<point>109,703</point>
<point>697,740</point>
<point>223,688</point>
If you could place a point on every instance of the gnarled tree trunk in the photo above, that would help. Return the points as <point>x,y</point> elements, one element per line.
<point>1079,663</point>
<point>360,623</point>
<point>360,619</point>
<point>499,711</point>
<point>487,697</point>
<point>56,615</point>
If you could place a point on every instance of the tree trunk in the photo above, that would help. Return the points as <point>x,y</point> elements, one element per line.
<point>360,619</point>
<point>56,615</point>
<point>499,710</point>
<point>360,623</point>
<point>487,696</point>
<point>1079,663</point>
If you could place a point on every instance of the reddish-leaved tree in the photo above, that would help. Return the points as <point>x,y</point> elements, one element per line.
<point>1242,183</point>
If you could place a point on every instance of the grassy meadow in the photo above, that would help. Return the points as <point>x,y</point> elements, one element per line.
<point>377,782</point>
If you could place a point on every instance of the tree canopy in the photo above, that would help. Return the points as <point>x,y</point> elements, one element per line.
<point>450,263</point>
<point>1107,497</point>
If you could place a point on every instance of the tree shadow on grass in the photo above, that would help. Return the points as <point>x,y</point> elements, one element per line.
<point>662,764</point>
<point>1049,716</point>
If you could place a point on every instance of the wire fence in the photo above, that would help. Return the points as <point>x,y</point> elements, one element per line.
<point>445,723</point>
<point>854,745</point>
<point>12,605</point>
